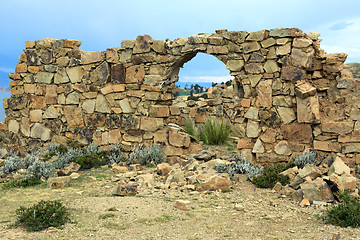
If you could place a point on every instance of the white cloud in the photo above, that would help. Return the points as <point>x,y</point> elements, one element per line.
<point>6,70</point>
<point>344,38</point>
<point>198,79</point>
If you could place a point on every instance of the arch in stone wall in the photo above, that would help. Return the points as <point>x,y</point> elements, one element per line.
<point>292,96</point>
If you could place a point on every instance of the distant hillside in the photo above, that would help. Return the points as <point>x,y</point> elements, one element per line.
<point>354,68</point>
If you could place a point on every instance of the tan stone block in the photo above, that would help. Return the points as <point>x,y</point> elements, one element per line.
<point>268,42</point>
<point>71,43</point>
<point>29,88</point>
<point>132,138</point>
<point>17,90</point>
<point>327,146</point>
<point>282,148</point>
<point>159,111</point>
<point>179,139</point>
<point>21,68</point>
<point>308,110</point>
<point>25,126</point>
<point>107,89</point>
<point>151,124</point>
<point>161,137</point>
<point>50,100</point>
<point>75,74</point>
<point>217,50</point>
<point>295,132</point>
<point>104,138</point>
<point>114,136</point>
<point>90,95</point>
<point>29,44</point>
<point>119,87</point>
<point>37,101</point>
<point>112,55</point>
<point>135,74</point>
<point>152,96</point>
<point>264,90</point>
<point>283,50</point>
<point>116,110</point>
<point>35,115</point>
<point>73,116</point>
<point>61,99</point>
<point>14,76</point>
<point>40,131</point>
<point>245,102</point>
<point>174,110</point>
<point>13,126</point>
<point>245,143</point>
<point>33,69</point>
<point>269,136</point>
<point>101,105</point>
<point>92,57</point>
<point>51,91</point>
<point>3,126</point>
<point>340,128</point>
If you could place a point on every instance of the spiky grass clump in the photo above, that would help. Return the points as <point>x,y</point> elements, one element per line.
<point>215,131</point>
<point>189,127</point>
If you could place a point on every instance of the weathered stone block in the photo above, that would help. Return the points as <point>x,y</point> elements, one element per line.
<point>179,139</point>
<point>101,74</point>
<point>308,110</point>
<point>327,146</point>
<point>125,189</point>
<point>295,132</point>
<point>340,128</point>
<point>40,131</point>
<point>92,57</point>
<point>135,74</point>
<point>73,116</point>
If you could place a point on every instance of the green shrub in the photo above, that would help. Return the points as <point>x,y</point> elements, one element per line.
<point>88,161</point>
<point>26,182</point>
<point>42,215</point>
<point>345,214</point>
<point>271,175</point>
<point>215,131</point>
<point>189,127</point>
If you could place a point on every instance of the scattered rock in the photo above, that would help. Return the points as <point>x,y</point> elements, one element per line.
<point>125,189</point>
<point>182,204</point>
<point>58,182</point>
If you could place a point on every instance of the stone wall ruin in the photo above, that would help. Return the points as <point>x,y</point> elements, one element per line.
<point>287,96</point>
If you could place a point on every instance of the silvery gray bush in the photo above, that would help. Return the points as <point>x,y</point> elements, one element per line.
<point>306,158</point>
<point>151,155</point>
<point>240,165</point>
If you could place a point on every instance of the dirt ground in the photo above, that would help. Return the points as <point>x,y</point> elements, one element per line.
<point>245,212</point>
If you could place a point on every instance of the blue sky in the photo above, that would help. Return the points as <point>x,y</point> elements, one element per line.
<point>103,24</point>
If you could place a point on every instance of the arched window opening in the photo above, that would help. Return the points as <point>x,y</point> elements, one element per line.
<point>200,73</point>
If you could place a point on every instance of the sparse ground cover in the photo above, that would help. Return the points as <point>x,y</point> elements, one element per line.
<point>245,212</point>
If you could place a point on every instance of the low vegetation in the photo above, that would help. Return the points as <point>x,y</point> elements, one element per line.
<point>306,158</point>
<point>346,213</point>
<point>239,165</point>
<point>42,163</point>
<point>42,215</point>
<point>150,156</point>
<point>26,182</point>
<point>270,176</point>
<point>215,131</point>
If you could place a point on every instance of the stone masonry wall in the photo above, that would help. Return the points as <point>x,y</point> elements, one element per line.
<point>287,95</point>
